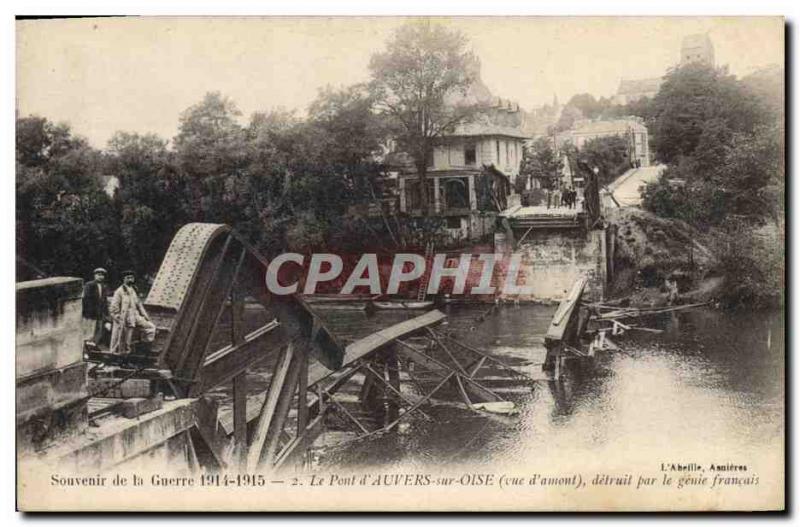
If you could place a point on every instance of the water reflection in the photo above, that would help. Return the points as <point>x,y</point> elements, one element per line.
<point>711,383</point>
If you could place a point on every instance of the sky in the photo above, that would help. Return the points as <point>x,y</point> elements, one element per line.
<point>139,74</point>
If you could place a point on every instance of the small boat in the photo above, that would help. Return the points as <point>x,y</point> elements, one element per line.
<point>403,304</point>
<point>334,298</point>
<point>341,306</point>
<point>338,302</point>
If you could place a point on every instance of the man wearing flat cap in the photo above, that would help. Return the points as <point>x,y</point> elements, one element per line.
<point>95,306</point>
<point>128,314</point>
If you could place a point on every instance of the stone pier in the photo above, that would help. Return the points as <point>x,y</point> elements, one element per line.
<point>556,246</point>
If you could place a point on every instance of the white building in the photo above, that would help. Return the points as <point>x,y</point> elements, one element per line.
<point>630,128</point>
<point>470,173</point>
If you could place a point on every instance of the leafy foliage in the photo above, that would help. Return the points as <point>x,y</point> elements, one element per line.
<point>415,83</point>
<point>753,263</point>
<point>609,154</point>
<point>152,198</point>
<point>539,161</point>
<point>696,100</point>
<point>63,217</point>
<point>585,106</point>
<point>722,140</point>
<point>569,115</point>
<point>283,182</point>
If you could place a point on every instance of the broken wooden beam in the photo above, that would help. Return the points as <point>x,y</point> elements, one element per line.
<point>300,444</point>
<point>228,362</point>
<point>476,390</point>
<point>564,315</point>
<point>369,344</point>
<point>270,407</point>
<point>256,402</point>
<point>240,417</point>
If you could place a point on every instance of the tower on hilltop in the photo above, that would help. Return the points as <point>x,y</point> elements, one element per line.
<point>697,48</point>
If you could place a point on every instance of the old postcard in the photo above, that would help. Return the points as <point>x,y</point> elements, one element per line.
<point>400,264</point>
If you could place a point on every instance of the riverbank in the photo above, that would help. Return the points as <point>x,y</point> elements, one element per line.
<point>658,261</point>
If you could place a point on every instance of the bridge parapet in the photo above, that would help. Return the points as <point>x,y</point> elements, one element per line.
<point>50,371</point>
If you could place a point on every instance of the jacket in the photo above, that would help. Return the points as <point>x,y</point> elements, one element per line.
<point>125,305</point>
<point>95,300</point>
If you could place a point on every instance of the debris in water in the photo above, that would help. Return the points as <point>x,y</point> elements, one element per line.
<point>497,407</point>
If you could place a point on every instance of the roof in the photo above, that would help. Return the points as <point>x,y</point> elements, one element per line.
<point>634,86</point>
<point>496,115</point>
<point>477,129</point>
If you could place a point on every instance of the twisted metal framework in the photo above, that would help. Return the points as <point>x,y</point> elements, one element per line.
<point>207,280</point>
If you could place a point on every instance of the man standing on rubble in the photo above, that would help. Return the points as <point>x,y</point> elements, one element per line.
<point>95,307</point>
<point>128,314</point>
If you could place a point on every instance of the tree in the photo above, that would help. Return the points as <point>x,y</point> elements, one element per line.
<point>693,95</point>
<point>416,81</point>
<point>353,132</point>
<point>354,138</point>
<point>65,223</point>
<point>587,105</point>
<point>210,152</point>
<point>609,154</point>
<point>723,144</point>
<point>153,198</point>
<point>746,183</point>
<point>768,85</point>
<point>539,161</point>
<point>567,119</point>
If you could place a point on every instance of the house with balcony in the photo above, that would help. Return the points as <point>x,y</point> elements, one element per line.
<point>470,173</point>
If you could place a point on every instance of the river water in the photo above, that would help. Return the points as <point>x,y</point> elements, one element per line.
<point>710,388</point>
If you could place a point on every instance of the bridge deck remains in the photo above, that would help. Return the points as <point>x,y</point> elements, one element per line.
<point>542,217</point>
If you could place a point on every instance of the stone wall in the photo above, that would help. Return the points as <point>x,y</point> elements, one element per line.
<point>552,259</point>
<point>50,371</point>
<point>49,334</point>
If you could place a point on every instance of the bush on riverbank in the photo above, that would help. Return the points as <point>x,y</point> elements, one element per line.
<point>735,264</point>
<point>752,262</point>
<point>723,141</point>
<point>650,249</point>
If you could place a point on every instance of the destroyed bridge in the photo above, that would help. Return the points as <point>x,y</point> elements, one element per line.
<point>215,323</point>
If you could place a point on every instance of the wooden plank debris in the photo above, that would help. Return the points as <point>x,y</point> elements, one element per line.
<point>270,406</point>
<point>363,347</point>
<point>568,306</point>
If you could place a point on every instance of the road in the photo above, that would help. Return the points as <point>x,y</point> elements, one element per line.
<point>626,187</point>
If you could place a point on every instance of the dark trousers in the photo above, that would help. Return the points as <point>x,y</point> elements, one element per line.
<point>93,330</point>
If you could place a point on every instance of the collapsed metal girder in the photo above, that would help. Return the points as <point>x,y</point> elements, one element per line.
<point>209,268</point>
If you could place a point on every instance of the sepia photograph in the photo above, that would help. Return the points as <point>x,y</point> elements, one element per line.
<point>445,263</point>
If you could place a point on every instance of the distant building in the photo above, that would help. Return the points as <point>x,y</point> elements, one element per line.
<point>110,185</point>
<point>632,90</point>
<point>694,48</point>
<point>539,121</point>
<point>697,48</point>
<point>630,128</point>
